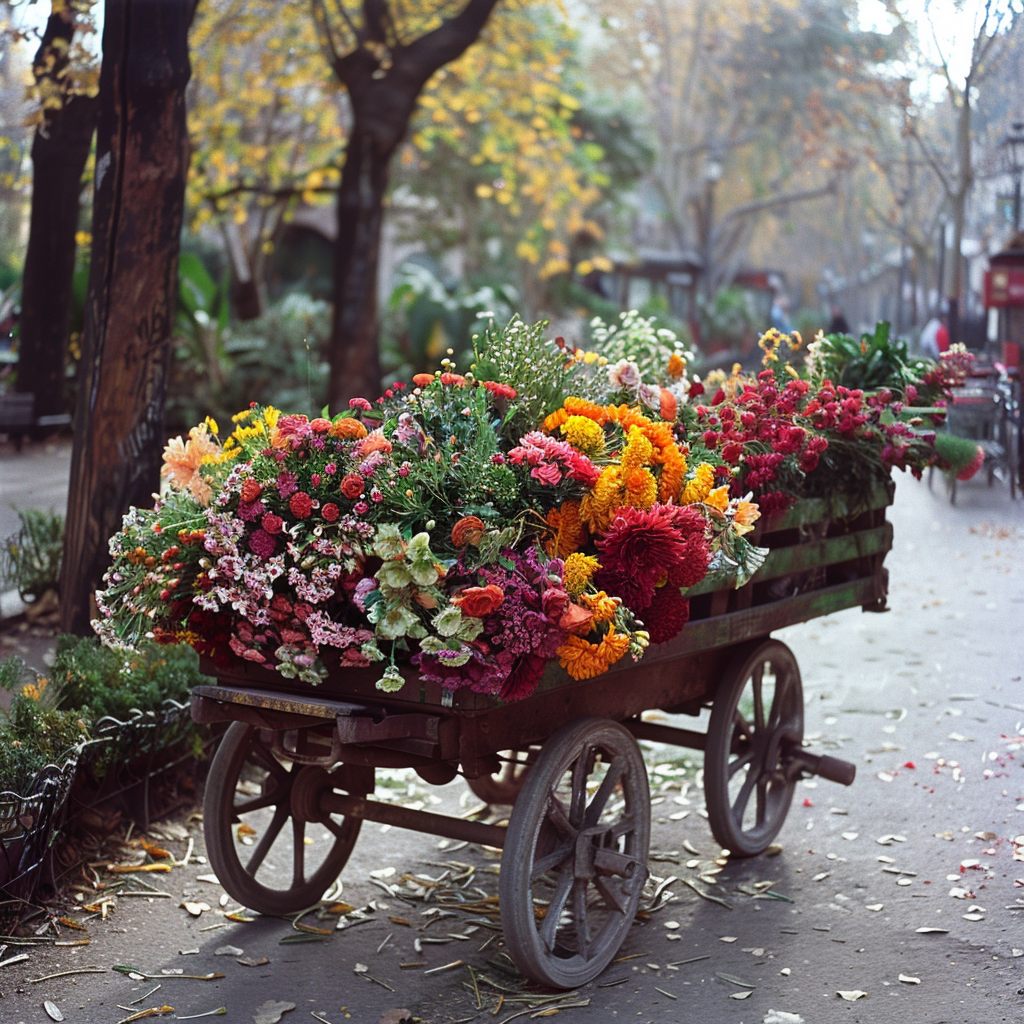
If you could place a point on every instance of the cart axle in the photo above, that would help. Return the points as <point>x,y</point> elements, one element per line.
<point>417,821</point>
<point>831,768</point>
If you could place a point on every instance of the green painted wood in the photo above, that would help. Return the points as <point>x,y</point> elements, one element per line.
<point>800,557</point>
<point>737,627</point>
<point>817,510</point>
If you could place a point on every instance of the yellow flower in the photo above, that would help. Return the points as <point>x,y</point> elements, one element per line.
<point>271,416</point>
<point>641,489</point>
<point>675,367</point>
<point>584,435</point>
<point>718,498</point>
<point>638,451</point>
<point>746,514</point>
<point>603,606</point>
<point>211,425</point>
<point>700,486</point>
<point>579,570</point>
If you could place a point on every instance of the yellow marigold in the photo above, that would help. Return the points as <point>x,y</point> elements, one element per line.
<point>584,660</point>
<point>241,417</point>
<point>584,434</point>
<point>673,472</point>
<point>603,606</point>
<point>347,429</point>
<point>638,451</point>
<point>700,486</point>
<point>554,421</point>
<point>675,367</point>
<point>579,570</point>
<point>600,502</point>
<point>718,498</point>
<point>271,416</point>
<point>569,531</point>
<point>601,414</point>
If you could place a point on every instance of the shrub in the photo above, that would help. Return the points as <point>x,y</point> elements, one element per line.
<point>30,559</point>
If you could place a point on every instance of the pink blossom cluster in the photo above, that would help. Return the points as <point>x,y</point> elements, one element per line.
<point>552,461</point>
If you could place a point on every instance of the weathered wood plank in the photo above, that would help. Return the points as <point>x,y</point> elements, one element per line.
<point>816,510</point>
<point>830,551</point>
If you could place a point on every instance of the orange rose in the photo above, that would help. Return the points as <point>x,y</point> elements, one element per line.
<point>352,485</point>
<point>347,429</point>
<point>479,601</point>
<point>576,620</point>
<point>468,530</point>
<point>421,380</point>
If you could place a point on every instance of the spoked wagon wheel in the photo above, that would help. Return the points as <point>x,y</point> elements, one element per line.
<point>505,785</point>
<point>262,859</point>
<point>757,724</point>
<point>575,859</point>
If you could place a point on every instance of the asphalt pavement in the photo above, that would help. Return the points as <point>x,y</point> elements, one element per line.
<point>904,891</point>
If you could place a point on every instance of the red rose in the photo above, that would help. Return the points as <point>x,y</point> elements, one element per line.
<point>479,601</point>
<point>352,485</point>
<point>732,452</point>
<point>300,505</point>
<point>330,512</point>
<point>251,490</point>
<point>271,523</point>
<point>554,602</point>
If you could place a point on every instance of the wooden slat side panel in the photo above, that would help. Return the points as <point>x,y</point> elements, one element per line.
<point>816,510</point>
<point>831,551</point>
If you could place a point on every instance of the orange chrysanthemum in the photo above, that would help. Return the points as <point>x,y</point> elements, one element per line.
<point>584,660</point>
<point>570,533</point>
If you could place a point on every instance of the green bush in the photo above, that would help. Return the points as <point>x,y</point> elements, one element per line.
<point>100,681</point>
<point>30,559</point>
<point>33,732</point>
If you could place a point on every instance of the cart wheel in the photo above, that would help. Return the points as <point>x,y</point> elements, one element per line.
<point>572,871</point>
<point>504,786</point>
<point>757,718</point>
<point>250,795</point>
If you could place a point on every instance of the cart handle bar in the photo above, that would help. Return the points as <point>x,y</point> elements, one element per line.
<point>832,768</point>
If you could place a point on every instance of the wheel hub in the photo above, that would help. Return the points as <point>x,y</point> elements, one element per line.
<point>310,784</point>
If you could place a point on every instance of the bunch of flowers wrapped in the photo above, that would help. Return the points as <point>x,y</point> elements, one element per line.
<point>549,504</point>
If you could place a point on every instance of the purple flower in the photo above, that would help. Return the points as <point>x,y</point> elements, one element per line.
<point>287,483</point>
<point>250,511</point>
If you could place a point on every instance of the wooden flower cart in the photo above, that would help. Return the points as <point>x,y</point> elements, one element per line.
<point>574,858</point>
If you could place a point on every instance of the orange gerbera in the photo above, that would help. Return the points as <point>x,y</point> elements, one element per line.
<point>182,460</point>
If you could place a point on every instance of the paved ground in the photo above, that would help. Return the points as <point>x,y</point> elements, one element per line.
<point>928,700</point>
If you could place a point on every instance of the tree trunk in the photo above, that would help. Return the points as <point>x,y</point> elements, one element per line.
<point>141,162</point>
<point>355,366</point>
<point>59,151</point>
<point>58,160</point>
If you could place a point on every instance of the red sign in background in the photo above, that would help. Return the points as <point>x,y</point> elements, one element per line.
<point>1004,287</point>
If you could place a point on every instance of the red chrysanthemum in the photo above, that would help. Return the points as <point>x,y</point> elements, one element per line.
<point>330,512</point>
<point>262,544</point>
<point>300,505</point>
<point>272,523</point>
<point>524,677</point>
<point>666,615</point>
<point>642,547</point>
<point>251,490</point>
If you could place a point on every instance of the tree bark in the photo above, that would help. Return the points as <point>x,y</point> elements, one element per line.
<point>59,151</point>
<point>138,204</point>
<point>383,101</point>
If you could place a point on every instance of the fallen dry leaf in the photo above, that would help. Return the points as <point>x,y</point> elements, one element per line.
<point>271,1011</point>
<point>782,1017</point>
<point>52,1010</point>
<point>851,995</point>
<point>908,979</point>
<point>249,961</point>
<point>741,995</point>
<point>195,909</point>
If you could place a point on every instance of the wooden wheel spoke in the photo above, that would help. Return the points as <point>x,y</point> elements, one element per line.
<point>622,827</point>
<point>337,827</point>
<point>604,791</point>
<point>549,927</point>
<point>614,893</point>
<point>298,852</point>
<point>756,681</point>
<point>267,839</point>
<point>742,729</point>
<point>257,802</point>
<point>579,915</point>
<point>559,817</point>
<point>580,771</point>
<point>266,759</point>
<point>542,865</point>
<point>762,799</point>
<point>740,803</point>
<point>741,762</point>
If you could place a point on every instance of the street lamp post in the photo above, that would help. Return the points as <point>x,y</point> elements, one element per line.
<point>1013,145</point>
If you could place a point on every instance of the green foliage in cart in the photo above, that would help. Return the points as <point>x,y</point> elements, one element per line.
<point>34,733</point>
